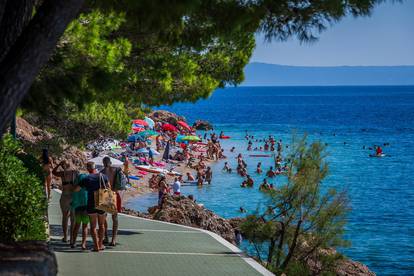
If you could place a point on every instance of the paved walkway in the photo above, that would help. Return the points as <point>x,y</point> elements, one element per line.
<point>147,247</point>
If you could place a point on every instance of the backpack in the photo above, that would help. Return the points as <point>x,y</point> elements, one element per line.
<point>120,180</point>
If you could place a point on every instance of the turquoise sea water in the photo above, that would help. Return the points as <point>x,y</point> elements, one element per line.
<point>381,190</point>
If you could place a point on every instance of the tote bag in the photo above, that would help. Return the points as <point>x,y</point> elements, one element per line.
<point>105,198</point>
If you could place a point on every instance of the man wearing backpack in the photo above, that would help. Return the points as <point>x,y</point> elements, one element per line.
<point>117,182</point>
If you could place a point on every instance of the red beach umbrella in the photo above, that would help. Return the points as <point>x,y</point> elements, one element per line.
<point>169,127</point>
<point>137,129</point>
<point>140,122</point>
<point>184,125</point>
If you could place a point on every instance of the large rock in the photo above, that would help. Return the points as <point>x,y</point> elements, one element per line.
<point>165,117</point>
<point>184,211</point>
<point>202,125</point>
<point>27,258</point>
<point>342,266</point>
<point>27,132</point>
<point>35,139</point>
<point>349,267</point>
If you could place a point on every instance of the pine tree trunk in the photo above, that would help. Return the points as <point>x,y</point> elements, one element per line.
<point>292,247</point>
<point>31,51</point>
<point>14,16</point>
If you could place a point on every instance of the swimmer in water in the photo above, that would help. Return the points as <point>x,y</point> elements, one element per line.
<point>270,172</point>
<point>264,186</point>
<point>259,167</point>
<point>226,167</point>
<point>249,181</point>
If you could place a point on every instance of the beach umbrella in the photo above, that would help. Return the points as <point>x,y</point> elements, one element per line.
<point>169,127</point>
<point>134,138</point>
<point>138,125</point>
<point>148,133</point>
<point>98,161</point>
<point>137,129</point>
<point>140,122</point>
<point>184,125</point>
<point>150,122</point>
<point>191,138</point>
<point>166,154</point>
<point>179,138</point>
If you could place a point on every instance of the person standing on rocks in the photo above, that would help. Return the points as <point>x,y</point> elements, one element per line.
<point>176,187</point>
<point>162,188</point>
<point>111,173</point>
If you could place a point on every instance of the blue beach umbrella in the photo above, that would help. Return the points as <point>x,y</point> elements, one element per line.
<point>134,138</point>
<point>138,126</point>
<point>179,138</point>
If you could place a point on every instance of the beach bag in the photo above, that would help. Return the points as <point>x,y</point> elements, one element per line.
<point>121,181</point>
<point>105,198</point>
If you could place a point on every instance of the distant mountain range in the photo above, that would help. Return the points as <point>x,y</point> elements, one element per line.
<point>263,74</point>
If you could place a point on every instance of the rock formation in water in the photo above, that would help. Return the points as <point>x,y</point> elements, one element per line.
<point>202,125</point>
<point>166,116</point>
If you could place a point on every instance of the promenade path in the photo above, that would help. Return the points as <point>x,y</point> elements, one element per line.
<point>148,247</point>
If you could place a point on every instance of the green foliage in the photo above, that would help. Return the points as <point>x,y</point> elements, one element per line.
<point>22,199</point>
<point>156,52</point>
<point>301,218</point>
<point>112,117</point>
<point>88,65</point>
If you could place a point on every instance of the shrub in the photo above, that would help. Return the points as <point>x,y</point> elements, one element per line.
<point>22,198</point>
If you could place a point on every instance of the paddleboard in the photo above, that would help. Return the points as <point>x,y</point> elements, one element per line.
<point>260,155</point>
<point>381,155</point>
<point>224,137</point>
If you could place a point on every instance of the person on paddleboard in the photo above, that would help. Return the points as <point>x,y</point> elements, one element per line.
<point>378,151</point>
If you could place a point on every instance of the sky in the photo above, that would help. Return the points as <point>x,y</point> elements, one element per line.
<point>384,38</point>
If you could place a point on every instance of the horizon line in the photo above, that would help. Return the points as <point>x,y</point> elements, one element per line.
<point>277,64</point>
<point>321,85</point>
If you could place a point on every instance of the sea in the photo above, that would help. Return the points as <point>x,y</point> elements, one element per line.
<point>349,120</point>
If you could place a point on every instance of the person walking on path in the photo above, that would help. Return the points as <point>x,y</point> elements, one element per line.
<point>68,176</point>
<point>79,207</point>
<point>47,168</point>
<point>92,182</point>
<point>111,173</point>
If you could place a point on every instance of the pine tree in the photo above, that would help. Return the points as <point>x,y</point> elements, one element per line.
<point>302,216</point>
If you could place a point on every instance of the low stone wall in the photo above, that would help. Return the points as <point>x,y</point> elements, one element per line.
<point>27,258</point>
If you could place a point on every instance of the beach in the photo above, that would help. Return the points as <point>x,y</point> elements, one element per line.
<point>346,119</point>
